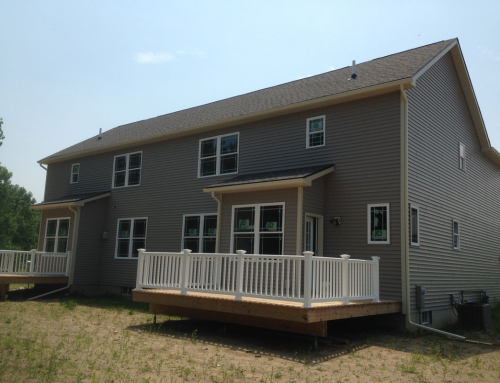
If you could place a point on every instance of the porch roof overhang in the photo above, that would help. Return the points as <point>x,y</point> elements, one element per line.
<point>70,200</point>
<point>277,179</point>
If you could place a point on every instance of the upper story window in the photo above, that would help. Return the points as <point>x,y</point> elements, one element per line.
<point>75,173</point>
<point>218,155</point>
<point>199,233</point>
<point>456,234</point>
<point>127,170</point>
<point>315,132</point>
<point>56,235</point>
<point>414,225</point>
<point>131,236</point>
<point>462,157</point>
<point>378,223</point>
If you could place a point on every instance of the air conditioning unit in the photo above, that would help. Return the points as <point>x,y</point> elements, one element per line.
<point>474,315</point>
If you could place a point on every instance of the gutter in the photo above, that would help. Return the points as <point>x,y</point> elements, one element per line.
<point>405,230</point>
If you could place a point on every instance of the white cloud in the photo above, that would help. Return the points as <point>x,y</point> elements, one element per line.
<point>161,57</point>
<point>489,53</point>
<point>153,58</point>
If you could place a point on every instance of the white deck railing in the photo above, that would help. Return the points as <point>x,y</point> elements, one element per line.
<point>296,278</point>
<point>34,263</point>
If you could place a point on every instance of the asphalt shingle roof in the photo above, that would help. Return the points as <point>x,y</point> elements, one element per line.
<point>71,198</point>
<point>275,175</point>
<point>375,72</point>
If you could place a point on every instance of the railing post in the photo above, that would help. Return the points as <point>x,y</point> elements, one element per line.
<point>239,275</point>
<point>184,271</point>
<point>376,279</point>
<point>345,278</point>
<point>308,257</point>
<point>32,261</point>
<point>140,269</point>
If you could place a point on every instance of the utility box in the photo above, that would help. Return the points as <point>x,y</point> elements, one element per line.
<point>421,290</point>
<point>474,315</point>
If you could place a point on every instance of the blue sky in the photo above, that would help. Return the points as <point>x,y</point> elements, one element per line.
<point>69,68</point>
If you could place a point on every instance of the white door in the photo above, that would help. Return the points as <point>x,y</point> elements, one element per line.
<point>311,234</point>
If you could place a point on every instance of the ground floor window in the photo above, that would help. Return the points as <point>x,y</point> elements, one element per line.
<point>131,236</point>
<point>199,233</point>
<point>56,235</point>
<point>258,229</point>
<point>378,223</point>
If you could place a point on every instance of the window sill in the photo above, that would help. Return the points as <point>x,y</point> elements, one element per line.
<point>314,147</point>
<point>124,187</point>
<point>217,175</point>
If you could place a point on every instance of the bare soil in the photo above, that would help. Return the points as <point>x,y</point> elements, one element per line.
<point>106,340</point>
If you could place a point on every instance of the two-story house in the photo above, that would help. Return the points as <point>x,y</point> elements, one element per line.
<point>393,162</point>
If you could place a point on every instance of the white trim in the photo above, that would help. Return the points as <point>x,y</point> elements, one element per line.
<point>201,228</point>
<point>257,233</point>
<point>417,208</point>
<point>309,133</point>
<point>127,155</point>
<point>464,167</point>
<point>319,232</point>
<point>453,234</point>
<point>368,224</point>
<point>131,238</point>
<point>436,58</point>
<point>218,155</point>
<point>56,237</point>
<point>73,173</point>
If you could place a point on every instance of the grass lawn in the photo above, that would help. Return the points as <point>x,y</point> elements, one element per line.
<point>106,340</point>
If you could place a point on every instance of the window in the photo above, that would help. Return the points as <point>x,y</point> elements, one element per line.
<point>462,157</point>
<point>127,170</point>
<point>258,229</point>
<point>57,235</point>
<point>456,235</point>
<point>315,135</point>
<point>414,225</point>
<point>378,223</point>
<point>218,155</point>
<point>199,233</point>
<point>75,172</point>
<point>130,236</point>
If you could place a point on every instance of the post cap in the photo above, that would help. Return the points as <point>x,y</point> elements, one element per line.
<point>186,251</point>
<point>345,256</point>
<point>308,253</point>
<point>375,258</point>
<point>241,252</point>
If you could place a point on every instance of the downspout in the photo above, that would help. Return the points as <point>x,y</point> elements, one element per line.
<point>219,213</point>
<point>405,230</point>
<point>43,167</point>
<point>73,252</point>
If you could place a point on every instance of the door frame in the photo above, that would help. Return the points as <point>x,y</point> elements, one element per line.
<point>319,232</point>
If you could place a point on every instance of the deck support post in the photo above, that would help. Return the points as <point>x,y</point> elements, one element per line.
<point>307,279</point>
<point>32,261</point>
<point>239,275</point>
<point>140,269</point>
<point>376,279</point>
<point>184,271</point>
<point>345,278</point>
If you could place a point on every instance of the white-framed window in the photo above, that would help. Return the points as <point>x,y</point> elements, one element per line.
<point>199,232</point>
<point>130,236</point>
<point>258,228</point>
<point>57,235</point>
<point>456,234</point>
<point>315,132</point>
<point>127,170</point>
<point>379,224</point>
<point>463,159</point>
<point>75,173</point>
<point>414,225</point>
<point>219,155</point>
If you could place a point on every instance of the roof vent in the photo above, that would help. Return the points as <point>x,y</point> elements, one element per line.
<point>100,134</point>
<point>353,75</point>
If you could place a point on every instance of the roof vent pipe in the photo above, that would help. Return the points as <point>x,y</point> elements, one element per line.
<point>354,75</point>
<point>100,134</point>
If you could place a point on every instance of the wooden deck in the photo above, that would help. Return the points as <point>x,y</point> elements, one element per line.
<point>272,314</point>
<point>7,279</point>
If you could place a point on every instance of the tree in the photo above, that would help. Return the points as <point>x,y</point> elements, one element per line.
<point>18,224</point>
<point>1,132</point>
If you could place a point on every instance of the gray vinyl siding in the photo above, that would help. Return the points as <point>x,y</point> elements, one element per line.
<point>314,203</point>
<point>362,140</point>
<point>288,196</point>
<point>439,120</point>
<point>88,251</point>
<point>56,213</point>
